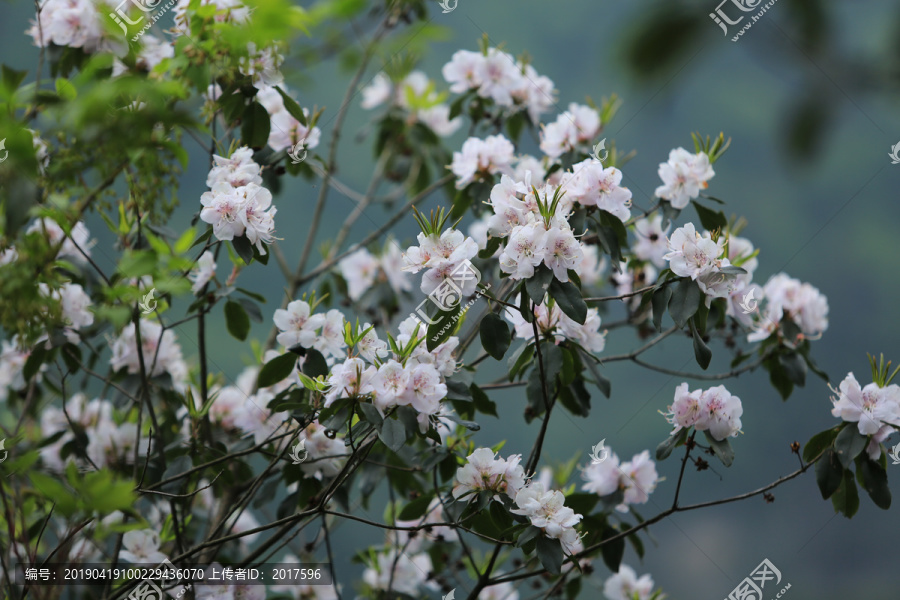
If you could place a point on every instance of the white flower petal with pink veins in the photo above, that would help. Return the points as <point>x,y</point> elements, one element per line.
<point>524,251</point>
<point>652,243</point>
<point>625,585</point>
<point>297,324</point>
<point>691,255</point>
<point>462,72</point>
<point>203,271</point>
<point>222,208</point>
<point>683,176</point>
<point>330,341</point>
<point>142,546</point>
<point>499,75</point>
<point>236,170</point>
<point>492,155</point>
<point>562,252</point>
<point>870,407</point>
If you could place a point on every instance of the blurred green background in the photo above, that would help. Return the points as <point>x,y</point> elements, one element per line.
<point>809,96</point>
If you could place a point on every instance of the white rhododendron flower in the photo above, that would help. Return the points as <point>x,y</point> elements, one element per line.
<point>403,573</point>
<point>414,93</point>
<point>593,185</point>
<point>625,585</point>
<point>262,66</point>
<point>75,304</point>
<point>484,472</point>
<point>547,511</point>
<point>499,591</point>
<point>714,409</point>
<point>359,270</point>
<point>652,243</point>
<point>79,237</point>
<point>701,258</point>
<point>226,11</point>
<point>683,176</point>
<point>494,154</point>
<point>870,407</point>
<point>203,271</point>
<point>447,259</point>
<point>237,170</point>
<point>142,546</point>
<point>297,324</point>
<point>802,302</point>
<point>575,128</point>
<point>554,322</point>
<point>73,23</point>
<point>636,478</point>
<point>161,352</point>
<point>286,130</point>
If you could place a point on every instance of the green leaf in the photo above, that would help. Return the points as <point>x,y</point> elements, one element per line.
<point>666,446</point>
<point>292,107</point>
<point>722,449</point>
<point>612,552</point>
<point>524,305</point>
<point>794,367</point>
<point>550,553</point>
<point>849,443</point>
<point>569,299</point>
<point>255,126</point>
<point>277,369</point>
<point>528,534</point>
<point>34,361</point>
<point>519,359</point>
<point>846,499</point>
<point>538,284</point>
<point>415,509</point>
<point>601,382</point>
<point>371,414</point>
<point>393,434</point>
<point>483,404</point>
<point>236,320</point>
<point>779,378</point>
<point>659,301</point>
<point>137,263</point>
<point>495,335</point>
<point>873,478</point>
<point>315,364</point>
<point>829,474</point>
<point>701,351</point>
<point>442,328</point>
<point>244,248</point>
<point>686,298</point>
<point>582,502</point>
<point>710,219</point>
<point>818,443</point>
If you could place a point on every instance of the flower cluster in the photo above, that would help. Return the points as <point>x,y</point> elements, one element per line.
<point>226,11</point>
<point>323,332</point>
<point>637,478</point>
<point>789,297</point>
<point>69,245</point>
<point>286,131</point>
<point>73,23</point>
<point>481,158</point>
<point>160,349</point>
<point>262,66</point>
<point>572,130</point>
<point>552,321</point>
<point>590,184</point>
<point>875,410</point>
<point>498,76</point>
<point>361,269</point>
<point>75,304</point>
<point>108,441</point>
<point>237,205</point>
<point>12,365</point>
<point>547,511</point>
<point>142,546</point>
<point>625,585</point>
<point>683,176</point>
<point>715,410</point>
<point>485,472</point>
<point>414,93</point>
<point>700,257</point>
<point>442,255</point>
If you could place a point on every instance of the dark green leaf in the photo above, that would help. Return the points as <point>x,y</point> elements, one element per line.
<point>612,552</point>
<point>34,361</point>
<point>666,446</point>
<point>441,329</point>
<point>846,499</point>
<point>817,443</point>
<point>415,509</point>
<point>710,219</point>
<point>794,367</point>
<point>849,443</point>
<point>602,382</point>
<point>483,404</point>
<point>315,364</point>
<point>722,448</point>
<point>236,320</point>
<point>686,298</point>
<point>243,248</point>
<point>829,474</point>
<point>252,309</point>
<point>495,335</point>
<point>873,478</point>
<point>255,126</point>
<point>538,284</point>
<point>569,299</point>
<point>550,553</point>
<point>277,369</point>
<point>525,305</point>
<point>582,502</point>
<point>701,351</point>
<point>393,434</point>
<point>292,107</point>
<point>519,359</point>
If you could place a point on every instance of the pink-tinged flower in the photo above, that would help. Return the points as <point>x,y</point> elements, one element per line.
<point>389,385</point>
<point>651,243</point>
<point>483,472</point>
<point>142,546</point>
<point>237,170</point>
<point>871,407</point>
<point>687,408</point>
<point>576,127</point>
<point>330,341</point>
<point>592,185</point>
<point>721,413</point>
<point>297,324</point>
<point>603,478</point>
<point>498,75</point>
<point>462,71</point>
<point>524,251</point>
<point>222,208</point>
<point>203,271</point>
<point>640,478</point>
<point>478,157</point>
<point>691,255</point>
<point>625,585</point>
<point>424,391</point>
<point>547,511</point>
<point>683,176</point>
<point>561,252</point>
<point>262,66</point>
